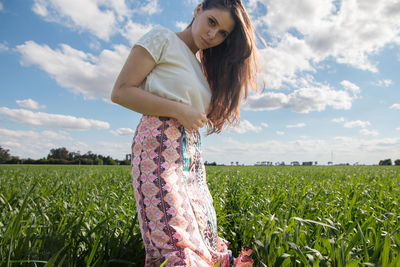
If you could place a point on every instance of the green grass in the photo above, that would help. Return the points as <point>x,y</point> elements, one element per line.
<point>290,216</point>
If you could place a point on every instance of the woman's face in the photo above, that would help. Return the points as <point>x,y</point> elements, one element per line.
<point>211,27</point>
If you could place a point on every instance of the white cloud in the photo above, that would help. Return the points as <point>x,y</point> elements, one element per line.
<point>357,123</point>
<point>76,70</point>
<point>298,125</point>
<point>343,149</point>
<point>384,83</point>
<point>395,106</point>
<point>52,120</point>
<point>244,127</point>
<point>316,97</point>
<point>192,2</point>
<point>349,86</point>
<point>3,47</point>
<point>102,18</point>
<point>123,131</point>
<point>29,103</point>
<point>338,120</point>
<point>369,132</point>
<point>280,132</point>
<point>35,144</point>
<point>151,7</point>
<point>181,25</point>
<point>31,143</point>
<point>398,129</point>
<point>1,6</point>
<point>305,33</point>
<point>88,15</point>
<point>265,125</point>
<point>133,31</point>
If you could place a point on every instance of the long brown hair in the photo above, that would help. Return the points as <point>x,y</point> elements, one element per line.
<point>230,67</point>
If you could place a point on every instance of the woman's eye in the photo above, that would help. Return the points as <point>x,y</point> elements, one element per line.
<point>224,34</point>
<point>211,22</point>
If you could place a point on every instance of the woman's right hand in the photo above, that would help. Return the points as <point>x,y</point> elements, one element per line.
<point>190,117</point>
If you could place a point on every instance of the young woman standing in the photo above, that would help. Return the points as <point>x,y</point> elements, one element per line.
<point>163,79</point>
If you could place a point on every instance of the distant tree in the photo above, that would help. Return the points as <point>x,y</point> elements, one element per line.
<point>397,162</point>
<point>98,161</point>
<point>385,162</point>
<point>58,153</point>
<point>14,160</point>
<point>112,162</point>
<point>74,155</point>
<point>125,162</point>
<point>4,155</point>
<point>90,155</point>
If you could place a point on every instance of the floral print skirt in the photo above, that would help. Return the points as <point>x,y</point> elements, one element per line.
<point>175,208</point>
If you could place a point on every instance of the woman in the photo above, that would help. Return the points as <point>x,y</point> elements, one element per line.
<point>177,95</point>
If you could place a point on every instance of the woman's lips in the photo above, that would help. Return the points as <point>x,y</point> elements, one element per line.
<point>205,42</point>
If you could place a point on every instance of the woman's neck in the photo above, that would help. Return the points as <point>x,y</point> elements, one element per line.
<point>187,38</point>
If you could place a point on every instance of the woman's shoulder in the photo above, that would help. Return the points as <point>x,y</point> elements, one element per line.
<point>161,32</point>
<point>157,41</point>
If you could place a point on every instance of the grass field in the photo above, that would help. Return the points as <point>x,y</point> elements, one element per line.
<point>290,216</point>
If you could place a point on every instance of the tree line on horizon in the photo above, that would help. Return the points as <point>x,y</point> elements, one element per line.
<point>62,156</point>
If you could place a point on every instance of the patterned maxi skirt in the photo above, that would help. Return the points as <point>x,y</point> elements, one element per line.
<point>175,208</point>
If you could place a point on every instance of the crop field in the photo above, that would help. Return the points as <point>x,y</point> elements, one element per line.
<point>290,216</point>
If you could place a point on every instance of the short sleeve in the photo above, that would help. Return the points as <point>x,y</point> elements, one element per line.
<point>154,42</point>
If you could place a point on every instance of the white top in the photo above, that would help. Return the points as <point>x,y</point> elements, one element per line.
<point>178,74</point>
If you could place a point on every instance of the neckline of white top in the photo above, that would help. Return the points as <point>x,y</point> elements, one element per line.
<point>187,47</point>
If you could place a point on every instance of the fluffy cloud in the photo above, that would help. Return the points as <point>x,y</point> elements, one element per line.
<point>357,123</point>
<point>384,83</point>
<point>52,120</point>
<point>76,70</point>
<point>303,34</point>
<point>31,143</point>
<point>192,2</point>
<point>349,86</point>
<point>181,25</point>
<point>395,106</point>
<point>133,31</point>
<point>303,100</point>
<point>344,149</point>
<point>89,15</point>
<point>338,120</point>
<point>244,127</point>
<point>298,125</point>
<point>29,103</point>
<point>36,144</point>
<point>369,132</point>
<point>151,7</point>
<point>3,47</point>
<point>280,132</point>
<point>123,132</point>
<point>101,18</point>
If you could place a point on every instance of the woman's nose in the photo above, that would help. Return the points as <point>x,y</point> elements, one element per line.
<point>212,33</point>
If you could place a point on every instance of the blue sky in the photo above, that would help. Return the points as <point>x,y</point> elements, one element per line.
<point>330,68</point>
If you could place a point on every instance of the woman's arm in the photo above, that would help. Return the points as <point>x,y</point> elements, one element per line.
<point>127,93</point>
